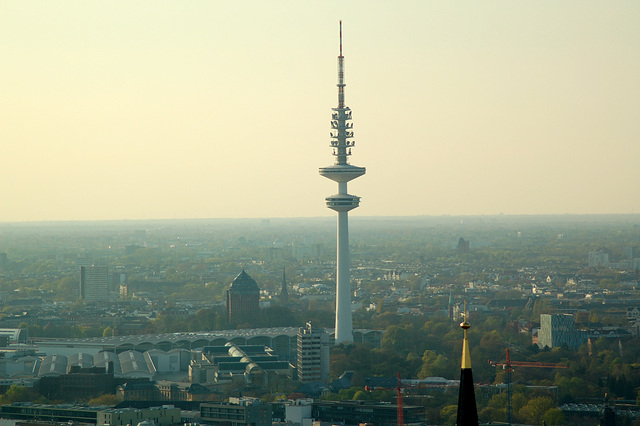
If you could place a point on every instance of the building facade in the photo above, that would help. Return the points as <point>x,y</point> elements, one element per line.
<point>78,383</point>
<point>237,412</point>
<point>161,416</point>
<point>598,259</point>
<point>94,283</point>
<point>359,412</point>
<point>559,330</point>
<point>313,354</point>
<point>243,300</point>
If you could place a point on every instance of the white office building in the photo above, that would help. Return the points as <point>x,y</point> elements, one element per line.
<point>313,354</point>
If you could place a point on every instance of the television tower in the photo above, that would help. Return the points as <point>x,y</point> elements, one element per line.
<point>342,172</point>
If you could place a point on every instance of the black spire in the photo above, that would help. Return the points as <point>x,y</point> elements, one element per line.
<point>467,411</point>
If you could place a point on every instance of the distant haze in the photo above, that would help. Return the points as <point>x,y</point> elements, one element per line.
<point>212,109</point>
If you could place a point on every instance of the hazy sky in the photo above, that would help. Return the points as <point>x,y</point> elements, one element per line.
<point>207,109</point>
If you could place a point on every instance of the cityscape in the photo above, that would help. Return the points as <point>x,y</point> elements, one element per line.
<point>195,314</point>
<point>165,258</point>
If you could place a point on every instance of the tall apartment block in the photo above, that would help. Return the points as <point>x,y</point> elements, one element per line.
<point>313,354</point>
<point>559,330</point>
<point>94,283</point>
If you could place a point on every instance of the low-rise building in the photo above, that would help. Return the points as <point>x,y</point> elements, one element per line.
<point>165,415</point>
<point>238,411</point>
<point>358,412</point>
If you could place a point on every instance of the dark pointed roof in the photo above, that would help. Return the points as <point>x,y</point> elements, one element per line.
<point>467,410</point>
<point>244,283</point>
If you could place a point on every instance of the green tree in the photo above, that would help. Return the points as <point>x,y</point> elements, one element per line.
<point>104,399</point>
<point>68,288</point>
<point>433,364</point>
<point>554,416</point>
<point>362,395</point>
<point>535,409</point>
<point>449,414</point>
<point>17,393</point>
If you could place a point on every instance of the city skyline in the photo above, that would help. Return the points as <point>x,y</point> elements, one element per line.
<point>155,110</point>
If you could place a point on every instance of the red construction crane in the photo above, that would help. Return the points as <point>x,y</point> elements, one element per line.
<point>507,366</point>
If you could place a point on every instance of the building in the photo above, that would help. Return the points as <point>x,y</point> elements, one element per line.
<point>243,300</point>
<point>283,341</point>
<point>14,335</point>
<point>94,283</point>
<point>598,259</point>
<point>237,412</point>
<point>467,410</point>
<point>50,413</point>
<point>161,416</point>
<point>631,252</point>
<point>138,390</point>
<point>359,412</point>
<point>166,415</point>
<point>222,364</point>
<point>313,354</point>
<point>79,383</point>
<point>559,330</point>
<point>342,202</point>
<point>463,245</point>
<point>298,412</point>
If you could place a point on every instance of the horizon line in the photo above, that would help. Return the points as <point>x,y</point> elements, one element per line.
<point>469,215</point>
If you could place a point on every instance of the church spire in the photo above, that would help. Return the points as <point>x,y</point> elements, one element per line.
<point>467,411</point>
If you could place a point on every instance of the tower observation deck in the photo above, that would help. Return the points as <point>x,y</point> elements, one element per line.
<point>342,202</point>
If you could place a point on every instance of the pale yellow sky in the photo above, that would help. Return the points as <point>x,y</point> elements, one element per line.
<point>206,109</point>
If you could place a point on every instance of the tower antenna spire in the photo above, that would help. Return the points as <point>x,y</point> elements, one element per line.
<point>340,38</point>
<point>342,172</point>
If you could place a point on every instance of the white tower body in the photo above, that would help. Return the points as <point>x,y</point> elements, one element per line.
<point>342,172</point>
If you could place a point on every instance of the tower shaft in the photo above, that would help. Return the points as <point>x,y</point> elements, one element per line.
<point>344,325</point>
<point>342,202</point>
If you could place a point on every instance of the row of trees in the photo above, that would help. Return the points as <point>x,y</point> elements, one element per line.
<point>417,349</point>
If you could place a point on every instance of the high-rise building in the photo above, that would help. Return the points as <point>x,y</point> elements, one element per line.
<point>94,283</point>
<point>598,259</point>
<point>313,354</point>
<point>342,202</point>
<point>243,299</point>
<point>559,330</point>
<point>629,252</point>
<point>463,245</point>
